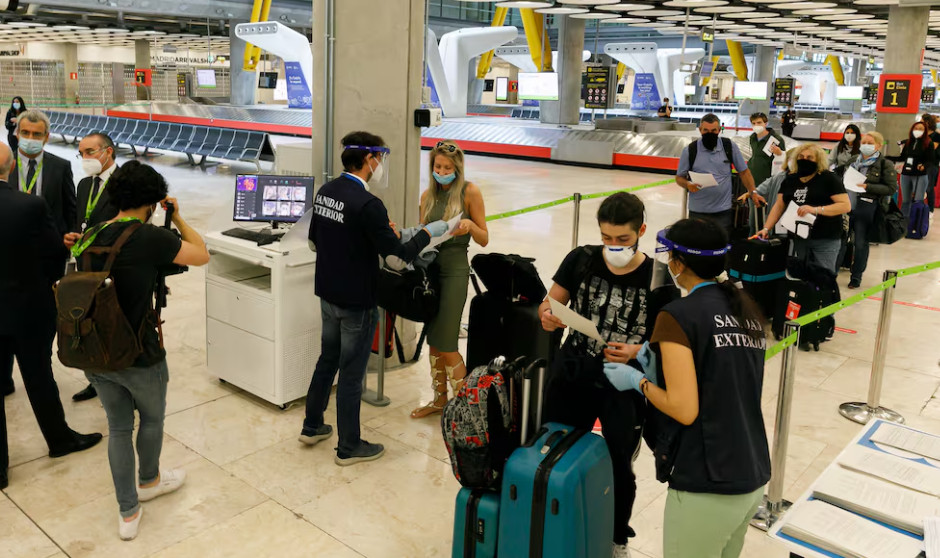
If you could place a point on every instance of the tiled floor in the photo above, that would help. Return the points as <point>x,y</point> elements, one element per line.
<point>253,490</point>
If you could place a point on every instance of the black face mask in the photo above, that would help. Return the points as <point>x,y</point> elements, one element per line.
<point>805,167</point>
<point>710,140</point>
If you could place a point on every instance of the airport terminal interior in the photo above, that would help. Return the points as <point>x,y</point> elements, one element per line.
<point>550,100</point>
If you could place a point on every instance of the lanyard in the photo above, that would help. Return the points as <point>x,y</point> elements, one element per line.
<point>702,284</point>
<point>92,203</point>
<point>29,188</point>
<point>89,238</point>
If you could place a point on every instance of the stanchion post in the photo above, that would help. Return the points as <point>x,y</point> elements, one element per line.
<point>862,412</point>
<point>377,398</point>
<point>774,505</point>
<point>577,221</point>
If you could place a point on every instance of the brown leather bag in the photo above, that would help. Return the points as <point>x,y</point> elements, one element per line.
<point>93,332</point>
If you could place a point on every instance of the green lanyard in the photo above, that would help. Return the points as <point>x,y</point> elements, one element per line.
<point>29,188</point>
<point>89,238</point>
<point>92,203</point>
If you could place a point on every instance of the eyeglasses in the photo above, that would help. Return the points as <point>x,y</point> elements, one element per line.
<point>449,147</point>
<point>88,152</point>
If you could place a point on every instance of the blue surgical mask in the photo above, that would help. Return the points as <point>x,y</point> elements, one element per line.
<point>16,106</point>
<point>867,149</point>
<point>31,146</point>
<point>445,179</point>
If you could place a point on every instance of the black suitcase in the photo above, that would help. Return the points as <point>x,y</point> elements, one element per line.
<point>808,289</point>
<point>502,327</point>
<point>760,266</point>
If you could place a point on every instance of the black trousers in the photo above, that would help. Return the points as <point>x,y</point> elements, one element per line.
<point>33,350</point>
<point>579,400</point>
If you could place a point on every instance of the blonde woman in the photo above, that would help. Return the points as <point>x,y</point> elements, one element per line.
<point>448,195</point>
<point>817,192</point>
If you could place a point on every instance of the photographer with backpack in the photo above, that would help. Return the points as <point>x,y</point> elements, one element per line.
<point>124,257</point>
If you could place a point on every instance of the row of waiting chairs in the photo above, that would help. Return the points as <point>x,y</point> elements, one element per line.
<point>203,141</point>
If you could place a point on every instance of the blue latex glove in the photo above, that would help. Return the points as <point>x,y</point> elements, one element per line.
<point>437,228</point>
<point>647,359</point>
<point>622,376</point>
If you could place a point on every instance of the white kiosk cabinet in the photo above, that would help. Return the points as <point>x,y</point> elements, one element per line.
<point>262,317</point>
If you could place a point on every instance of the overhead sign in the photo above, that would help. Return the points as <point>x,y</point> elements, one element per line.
<point>142,77</point>
<point>783,91</point>
<point>597,81</point>
<point>708,35</point>
<point>645,93</point>
<point>928,95</point>
<point>708,68</point>
<point>872,95</point>
<point>73,75</point>
<point>900,93</point>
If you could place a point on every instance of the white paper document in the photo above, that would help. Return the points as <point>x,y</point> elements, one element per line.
<point>451,227</point>
<point>846,534</point>
<point>894,469</point>
<point>574,320</point>
<point>771,142</point>
<point>703,179</point>
<point>852,178</point>
<point>906,439</point>
<point>790,219</point>
<point>932,536</point>
<point>877,499</point>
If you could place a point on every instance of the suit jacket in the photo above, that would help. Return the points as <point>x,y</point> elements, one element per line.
<point>58,189</point>
<point>103,211</point>
<point>32,261</point>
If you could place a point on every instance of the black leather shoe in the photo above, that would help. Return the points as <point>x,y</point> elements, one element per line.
<point>8,390</point>
<point>80,442</point>
<point>86,394</point>
<point>4,481</point>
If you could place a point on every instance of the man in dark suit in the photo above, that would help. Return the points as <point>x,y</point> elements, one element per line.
<point>94,205</point>
<point>27,323</point>
<point>44,175</point>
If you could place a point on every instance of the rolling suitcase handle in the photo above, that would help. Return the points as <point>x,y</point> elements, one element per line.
<point>536,368</point>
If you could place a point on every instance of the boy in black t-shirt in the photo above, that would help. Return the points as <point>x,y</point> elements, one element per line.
<point>610,285</point>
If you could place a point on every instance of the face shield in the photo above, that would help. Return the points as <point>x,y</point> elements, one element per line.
<point>664,250</point>
<point>378,165</point>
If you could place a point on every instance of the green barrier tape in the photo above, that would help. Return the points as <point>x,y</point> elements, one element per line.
<point>918,269</point>
<point>529,209</point>
<point>783,344</point>
<point>633,189</point>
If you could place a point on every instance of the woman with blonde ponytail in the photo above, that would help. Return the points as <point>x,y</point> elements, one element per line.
<point>449,195</point>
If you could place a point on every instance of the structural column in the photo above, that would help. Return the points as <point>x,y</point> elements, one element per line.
<point>764,65</point>
<point>71,66</point>
<point>567,110</point>
<point>142,61</point>
<point>378,63</point>
<point>244,82</point>
<point>907,35</point>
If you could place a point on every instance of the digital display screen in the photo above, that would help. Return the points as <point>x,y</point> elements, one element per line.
<point>538,86</point>
<point>267,198</point>
<point>850,92</point>
<point>751,90</point>
<point>205,78</point>
<point>502,89</point>
<point>267,80</point>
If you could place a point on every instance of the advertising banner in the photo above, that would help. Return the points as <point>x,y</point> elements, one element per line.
<point>645,93</point>
<point>298,91</point>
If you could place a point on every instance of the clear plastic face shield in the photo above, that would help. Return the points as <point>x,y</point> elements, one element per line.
<point>664,249</point>
<point>378,165</point>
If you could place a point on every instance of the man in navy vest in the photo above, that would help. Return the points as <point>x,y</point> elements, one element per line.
<point>350,229</point>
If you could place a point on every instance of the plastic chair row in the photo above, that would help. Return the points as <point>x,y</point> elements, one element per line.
<point>203,141</point>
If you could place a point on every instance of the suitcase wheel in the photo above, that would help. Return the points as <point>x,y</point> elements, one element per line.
<point>816,347</point>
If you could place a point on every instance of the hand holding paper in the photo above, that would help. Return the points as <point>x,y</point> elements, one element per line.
<point>437,241</point>
<point>769,146</point>
<point>791,219</point>
<point>852,178</point>
<point>703,179</point>
<point>574,320</point>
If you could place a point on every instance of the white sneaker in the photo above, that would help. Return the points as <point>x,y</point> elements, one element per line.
<point>621,551</point>
<point>169,481</point>
<point>127,530</point>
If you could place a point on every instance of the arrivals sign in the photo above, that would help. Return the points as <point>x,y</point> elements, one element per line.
<point>899,93</point>
<point>783,91</point>
<point>645,93</point>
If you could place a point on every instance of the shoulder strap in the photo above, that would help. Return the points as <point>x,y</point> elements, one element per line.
<point>119,243</point>
<point>726,143</point>
<point>693,151</point>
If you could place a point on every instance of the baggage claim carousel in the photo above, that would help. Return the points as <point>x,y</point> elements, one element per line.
<point>622,142</point>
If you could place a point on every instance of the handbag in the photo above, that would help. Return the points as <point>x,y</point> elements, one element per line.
<point>889,224</point>
<point>414,294</point>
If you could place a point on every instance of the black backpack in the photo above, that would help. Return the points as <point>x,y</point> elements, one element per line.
<point>740,211</point>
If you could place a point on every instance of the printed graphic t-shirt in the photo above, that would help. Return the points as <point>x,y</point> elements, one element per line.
<point>617,304</point>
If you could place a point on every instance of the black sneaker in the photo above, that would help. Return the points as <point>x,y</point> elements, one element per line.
<point>310,436</point>
<point>365,452</point>
<point>853,284</point>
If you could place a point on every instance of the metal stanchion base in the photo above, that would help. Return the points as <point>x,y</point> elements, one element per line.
<point>861,413</point>
<point>372,398</point>
<point>768,514</point>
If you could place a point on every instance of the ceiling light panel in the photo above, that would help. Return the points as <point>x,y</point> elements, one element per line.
<point>629,20</point>
<point>625,7</point>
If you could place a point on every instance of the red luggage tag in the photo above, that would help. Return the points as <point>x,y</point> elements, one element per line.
<point>793,310</point>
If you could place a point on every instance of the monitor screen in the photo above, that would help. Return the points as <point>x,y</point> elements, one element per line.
<point>272,198</point>
<point>205,78</point>
<point>502,89</point>
<point>538,86</point>
<point>267,80</point>
<point>850,93</point>
<point>753,90</point>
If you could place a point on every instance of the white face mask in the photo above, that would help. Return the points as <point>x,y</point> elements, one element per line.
<point>619,256</point>
<point>850,138</point>
<point>759,129</point>
<point>378,173</point>
<point>675,279</point>
<point>917,133</point>
<point>91,167</point>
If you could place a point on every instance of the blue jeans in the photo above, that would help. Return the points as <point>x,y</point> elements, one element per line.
<point>346,343</point>
<point>913,188</point>
<point>823,252</point>
<point>121,392</point>
<point>863,219</point>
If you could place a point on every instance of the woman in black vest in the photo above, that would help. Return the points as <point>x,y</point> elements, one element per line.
<point>706,429</point>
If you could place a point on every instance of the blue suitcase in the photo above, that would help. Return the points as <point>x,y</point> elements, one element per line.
<point>476,523</point>
<point>558,497</point>
<point>919,222</point>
